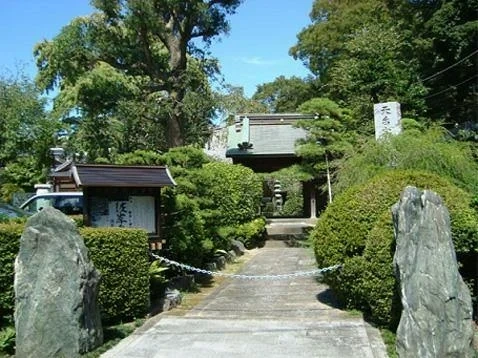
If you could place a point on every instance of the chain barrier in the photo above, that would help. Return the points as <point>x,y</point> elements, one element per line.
<point>247,277</point>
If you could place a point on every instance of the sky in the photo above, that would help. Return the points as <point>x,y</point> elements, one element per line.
<point>254,52</point>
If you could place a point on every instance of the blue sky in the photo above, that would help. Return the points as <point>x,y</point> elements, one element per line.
<point>254,52</point>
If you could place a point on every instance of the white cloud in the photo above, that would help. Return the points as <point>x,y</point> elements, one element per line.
<point>259,61</point>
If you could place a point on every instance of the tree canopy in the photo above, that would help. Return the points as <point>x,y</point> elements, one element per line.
<point>420,53</point>
<point>26,134</point>
<point>132,67</point>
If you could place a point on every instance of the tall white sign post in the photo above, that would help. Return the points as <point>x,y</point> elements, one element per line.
<point>387,117</point>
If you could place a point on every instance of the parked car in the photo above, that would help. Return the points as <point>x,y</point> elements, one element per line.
<point>8,211</point>
<point>70,203</point>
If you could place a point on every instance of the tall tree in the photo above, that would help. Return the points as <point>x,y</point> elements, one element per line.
<point>422,53</point>
<point>136,52</point>
<point>232,100</point>
<point>26,134</point>
<point>322,42</point>
<point>373,69</point>
<point>284,95</point>
<point>329,136</point>
<point>445,40</point>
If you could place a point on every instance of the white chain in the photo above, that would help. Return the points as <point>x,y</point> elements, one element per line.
<point>247,277</point>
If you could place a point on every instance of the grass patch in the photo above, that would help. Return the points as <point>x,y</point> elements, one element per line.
<point>389,339</point>
<point>112,335</point>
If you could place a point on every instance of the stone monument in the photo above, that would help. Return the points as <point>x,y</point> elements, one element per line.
<point>436,318</point>
<point>387,119</point>
<point>56,286</point>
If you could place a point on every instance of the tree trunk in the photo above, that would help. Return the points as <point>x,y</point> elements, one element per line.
<point>177,64</point>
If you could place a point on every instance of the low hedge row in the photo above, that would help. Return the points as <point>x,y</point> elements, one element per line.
<point>356,230</point>
<point>9,243</point>
<point>121,256</point>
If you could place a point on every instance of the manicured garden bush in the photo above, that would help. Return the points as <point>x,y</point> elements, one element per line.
<point>216,196</point>
<point>231,193</point>
<point>9,245</point>
<point>122,257</point>
<point>356,230</point>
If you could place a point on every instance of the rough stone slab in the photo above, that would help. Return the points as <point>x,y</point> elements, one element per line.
<point>436,319</point>
<point>56,286</point>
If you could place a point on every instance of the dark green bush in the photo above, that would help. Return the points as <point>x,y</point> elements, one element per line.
<point>356,230</point>
<point>206,200</point>
<point>9,244</point>
<point>122,257</point>
<point>233,193</point>
<point>251,233</point>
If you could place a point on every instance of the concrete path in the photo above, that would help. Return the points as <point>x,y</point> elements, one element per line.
<point>258,318</point>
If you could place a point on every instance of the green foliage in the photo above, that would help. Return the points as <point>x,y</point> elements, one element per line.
<point>373,69</point>
<point>232,101</point>
<point>420,53</point>
<point>185,230</point>
<point>208,196</point>
<point>284,95</point>
<point>136,81</point>
<point>431,150</point>
<point>322,42</point>
<point>26,134</point>
<point>329,137</point>
<point>290,179</point>
<point>139,157</point>
<point>9,244</point>
<point>251,233</point>
<point>356,231</point>
<point>157,279</point>
<point>121,256</point>
<point>232,192</point>
<point>7,340</point>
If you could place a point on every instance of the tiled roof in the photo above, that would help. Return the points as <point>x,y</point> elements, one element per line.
<point>122,176</point>
<point>269,134</point>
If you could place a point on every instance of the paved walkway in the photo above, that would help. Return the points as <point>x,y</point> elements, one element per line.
<point>257,318</point>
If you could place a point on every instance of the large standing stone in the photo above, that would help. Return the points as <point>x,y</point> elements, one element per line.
<point>437,312</point>
<point>56,313</point>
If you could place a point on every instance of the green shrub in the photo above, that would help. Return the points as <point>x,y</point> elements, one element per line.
<point>185,231</point>
<point>431,151</point>
<point>232,193</point>
<point>9,244</point>
<point>122,257</point>
<point>251,233</point>
<point>356,230</point>
<point>7,340</point>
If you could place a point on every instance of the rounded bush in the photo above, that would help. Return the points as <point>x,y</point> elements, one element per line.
<point>356,230</point>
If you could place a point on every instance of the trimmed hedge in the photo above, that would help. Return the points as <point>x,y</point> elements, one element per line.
<point>207,200</point>
<point>121,255</point>
<point>356,230</point>
<point>232,192</point>
<point>9,244</point>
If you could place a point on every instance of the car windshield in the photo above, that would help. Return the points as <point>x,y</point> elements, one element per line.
<point>10,211</point>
